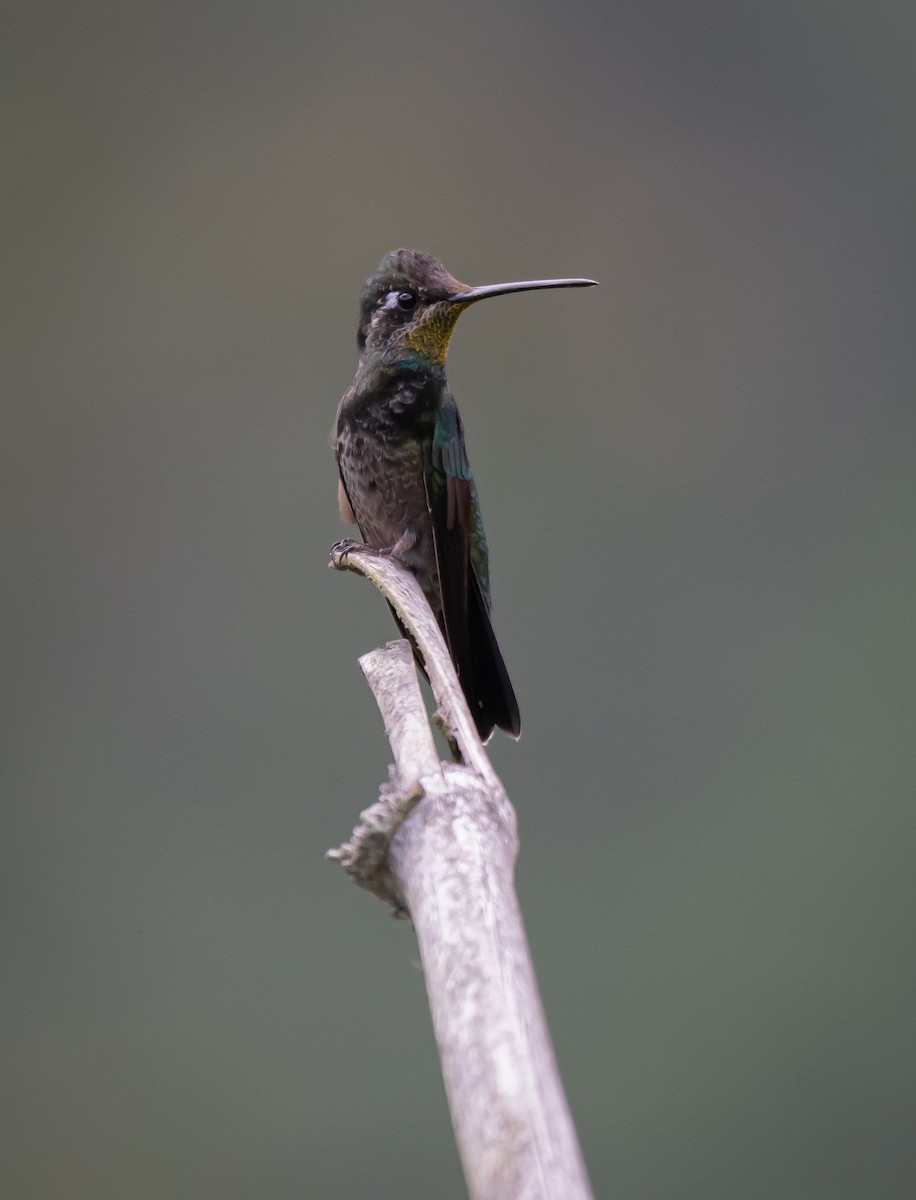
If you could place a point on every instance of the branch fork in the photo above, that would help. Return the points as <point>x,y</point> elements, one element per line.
<point>440,844</point>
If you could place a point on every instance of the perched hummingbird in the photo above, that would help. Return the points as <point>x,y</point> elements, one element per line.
<point>404,473</point>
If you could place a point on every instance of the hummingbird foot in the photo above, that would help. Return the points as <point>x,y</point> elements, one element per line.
<point>341,551</point>
<point>401,548</point>
<point>345,546</point>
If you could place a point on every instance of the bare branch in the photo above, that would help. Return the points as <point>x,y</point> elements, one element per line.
<point>404,594</point>
<point>441,844</point>
<point>393,678</point>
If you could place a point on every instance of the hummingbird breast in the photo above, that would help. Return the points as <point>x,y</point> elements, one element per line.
<point>383,462</point>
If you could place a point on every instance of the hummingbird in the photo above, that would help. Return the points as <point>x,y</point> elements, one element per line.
<point>405,480</point>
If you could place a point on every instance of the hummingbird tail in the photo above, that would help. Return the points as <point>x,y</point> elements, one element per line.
<point>484,677</point>
<point>481,670</point>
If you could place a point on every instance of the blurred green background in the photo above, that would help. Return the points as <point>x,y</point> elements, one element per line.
<point>698,482</point>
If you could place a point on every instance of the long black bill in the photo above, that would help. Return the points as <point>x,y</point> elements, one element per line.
<point>527,285</point>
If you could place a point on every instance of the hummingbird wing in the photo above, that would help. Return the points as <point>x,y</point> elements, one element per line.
<point>462,561</point>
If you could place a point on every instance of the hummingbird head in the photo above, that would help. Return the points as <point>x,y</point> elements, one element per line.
<point>409,307</point>
<point>406,306</point>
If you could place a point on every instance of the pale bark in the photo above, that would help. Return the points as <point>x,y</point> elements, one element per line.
<point>440,844</point>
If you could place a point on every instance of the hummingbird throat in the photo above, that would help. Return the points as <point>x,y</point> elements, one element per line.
<point>430,338</point>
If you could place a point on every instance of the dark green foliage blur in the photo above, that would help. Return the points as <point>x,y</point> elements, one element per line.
<point>698,484</point>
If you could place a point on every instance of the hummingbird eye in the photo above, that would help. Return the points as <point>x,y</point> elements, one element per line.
<point>407,301</point>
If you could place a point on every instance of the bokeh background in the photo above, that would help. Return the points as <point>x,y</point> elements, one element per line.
<point>698,481</point>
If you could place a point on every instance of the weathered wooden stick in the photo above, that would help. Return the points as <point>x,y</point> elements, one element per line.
<point>441,844</point>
